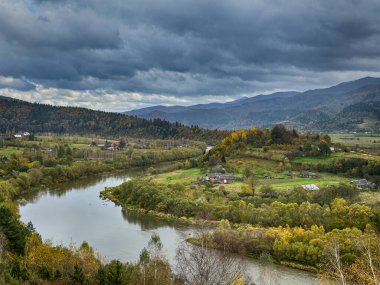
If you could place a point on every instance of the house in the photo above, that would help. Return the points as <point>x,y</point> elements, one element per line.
<point>364,184</point>
<point>220,178</point>
<point>310,187</point>
<point>308,174</point>
<point>21,135</point>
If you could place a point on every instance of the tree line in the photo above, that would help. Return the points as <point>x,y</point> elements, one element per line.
<point>33,171</point>
<point>182,201</point>
<point>17,115</point>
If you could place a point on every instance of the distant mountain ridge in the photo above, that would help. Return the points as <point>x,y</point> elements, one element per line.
<point>310,110</point>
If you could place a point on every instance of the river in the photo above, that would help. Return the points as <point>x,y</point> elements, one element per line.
<point>73,213</point>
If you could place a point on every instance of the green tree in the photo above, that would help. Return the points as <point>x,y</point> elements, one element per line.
<point>280,135</point>
<point>122,143</point>
<point>61,151</point>
<point>77,277</point>
<point>14,230</point>
<point>324,148</point>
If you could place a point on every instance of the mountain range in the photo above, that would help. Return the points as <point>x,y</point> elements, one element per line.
<point>349,106</point>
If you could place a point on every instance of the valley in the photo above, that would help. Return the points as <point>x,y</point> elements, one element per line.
<point>271,183</point>
<point>189,142</point>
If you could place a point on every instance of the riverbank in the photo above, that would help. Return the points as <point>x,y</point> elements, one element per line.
<point>210,225</point>
<point>75,213</point>
<point>288,232</point>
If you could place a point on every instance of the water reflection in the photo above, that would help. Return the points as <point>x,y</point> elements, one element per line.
<point>73,213</point>
<point>63,188</point>
<point>146,222</point>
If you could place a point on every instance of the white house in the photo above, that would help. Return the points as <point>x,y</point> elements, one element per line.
<point>310,187</point>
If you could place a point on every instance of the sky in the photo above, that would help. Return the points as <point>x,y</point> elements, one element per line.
<point>118,55</point>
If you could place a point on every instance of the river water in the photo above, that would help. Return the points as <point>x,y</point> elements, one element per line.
<point>73,213</point>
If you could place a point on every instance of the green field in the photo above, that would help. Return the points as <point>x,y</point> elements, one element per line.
<point>325,179</point>
<point>362,140</point>
<point>67,139</point>
<point>179,176</point>
<point>259,167</point>
<point>234,187</point>
<point>10,150</point>
<point>332,157</point>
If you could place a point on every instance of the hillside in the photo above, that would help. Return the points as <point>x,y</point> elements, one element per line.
<point>17,115</point>
<point>309,110</point>
<point>363,115</point>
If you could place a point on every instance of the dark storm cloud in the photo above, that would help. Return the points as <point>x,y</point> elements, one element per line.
<point>187,47</point>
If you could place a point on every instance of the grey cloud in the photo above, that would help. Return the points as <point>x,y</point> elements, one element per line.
<point>17,84</point>
<point>188,48</point>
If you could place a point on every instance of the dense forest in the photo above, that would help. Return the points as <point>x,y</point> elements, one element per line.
<point>16,115</point>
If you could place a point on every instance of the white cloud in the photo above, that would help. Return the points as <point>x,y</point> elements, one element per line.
<point>116,101</point>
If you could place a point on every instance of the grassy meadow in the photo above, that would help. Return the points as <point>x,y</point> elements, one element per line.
<point>8,151</point>
<point>361,140</point>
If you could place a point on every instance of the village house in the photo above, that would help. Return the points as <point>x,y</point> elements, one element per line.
<point>21,135</point>
<point>364,184</point>
<point>310,187</point>
<point>308,174</point>
<point>220,178</point>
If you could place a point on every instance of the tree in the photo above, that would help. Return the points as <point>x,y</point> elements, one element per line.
<point>268,192</point>
<point>3,244</point>
<point>247,172</point>
<point>69,152</point>
<point>280,135</point>
<point>249,189</point>
<point>61,151</point>
<point>114,273</point>
<point>15,231</point>
<point>154,248</point>
<point>122,143</point>
<point>324,148</point>
<point>153,268</point>
<point>187,164</point>
<point>202,265</point>
<point>367,268</point>
<point>77,277</point>
<point>334,268</point>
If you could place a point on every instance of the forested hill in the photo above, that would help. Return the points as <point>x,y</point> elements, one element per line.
<point>315,110</point>
<point>17,115</point>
